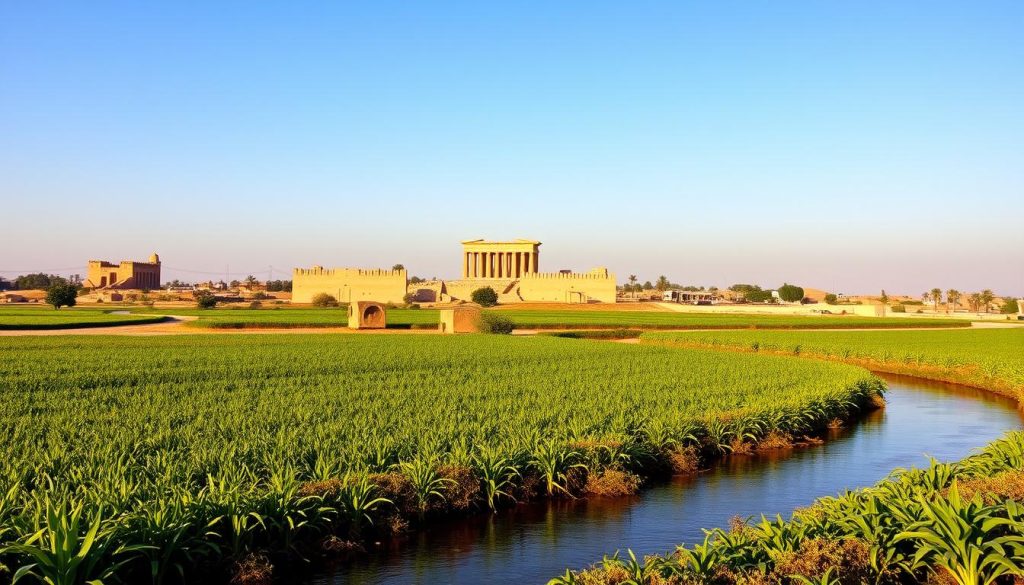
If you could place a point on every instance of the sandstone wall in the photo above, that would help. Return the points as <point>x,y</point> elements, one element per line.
<point>557,287</point>
<point>349,284</point>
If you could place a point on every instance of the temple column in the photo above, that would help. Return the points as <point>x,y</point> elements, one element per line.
<point>501,265</point>
<point>478,264</point>
<point>465,264</point>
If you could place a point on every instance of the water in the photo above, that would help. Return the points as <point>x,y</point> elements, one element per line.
<point>534,542</point>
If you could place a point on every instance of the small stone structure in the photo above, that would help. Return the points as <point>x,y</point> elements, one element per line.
<point>128,274</point>
<point>463,319</point>
<point>366,315</point>
<point>349,285</point>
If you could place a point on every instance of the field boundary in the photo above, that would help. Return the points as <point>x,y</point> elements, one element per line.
<point>85,325</point>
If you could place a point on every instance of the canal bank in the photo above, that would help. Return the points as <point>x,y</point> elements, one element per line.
<point>533,542</point>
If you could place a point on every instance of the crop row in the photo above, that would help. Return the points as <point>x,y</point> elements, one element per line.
<point>989,358</point>
<point>163,458</point>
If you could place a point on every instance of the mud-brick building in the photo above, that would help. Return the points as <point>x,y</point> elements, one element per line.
<point>128,274</point>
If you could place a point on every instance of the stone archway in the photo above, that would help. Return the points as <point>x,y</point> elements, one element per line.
<point>373,317</point>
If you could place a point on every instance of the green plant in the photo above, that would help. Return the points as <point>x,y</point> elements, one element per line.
<point>61,294</point>
<point>323,300</point>
<point>70,547</point>
<point>485,296</point>
<point>496,323</point>
<point>205,299</point>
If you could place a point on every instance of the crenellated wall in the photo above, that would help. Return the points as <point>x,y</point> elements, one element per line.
<point>349,284</point>
<point>568,287</point>
<point>129,274</point>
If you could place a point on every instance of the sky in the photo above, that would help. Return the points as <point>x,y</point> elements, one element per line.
<point>846,146</point>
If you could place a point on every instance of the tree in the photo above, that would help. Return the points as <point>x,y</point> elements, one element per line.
<point>831,299</point>
<point>936,295</point>
<point>61,294</point>
<point>663,284</point>
<point>323,300</point>
<point>398,267</point>
<point>952,297</point>
<point>884,298</point>
<point>1010,306</point>
<point>250,281</point>
<point>485,297</point>
<point>632,284</point>
<point>205,299</point>
<point>974,301</point>
<point>37,281</point>
<point>987,296</point>
<point>791,293</point>
<point>648,286</point>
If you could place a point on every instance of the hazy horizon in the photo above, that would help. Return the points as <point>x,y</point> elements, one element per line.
<point>849,148</point>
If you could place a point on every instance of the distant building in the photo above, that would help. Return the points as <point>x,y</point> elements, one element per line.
<point>512,269</point>
<point>129,274</point>
<point>349,285</point>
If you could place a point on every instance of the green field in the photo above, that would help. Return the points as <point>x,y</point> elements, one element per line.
<point>901,531</point>
<point>555,319</point>
<point>68,318</point>
<point>286,318</point>
<point>270,318</point>
<point>980,356</point>
<point>204,447</point>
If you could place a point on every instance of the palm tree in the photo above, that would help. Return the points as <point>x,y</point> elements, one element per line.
<point>986,298</point>
<point>936,294</point>
<point>952,296</point>
<point>975,301</point>
<point>663,283</point>
<point>925,297</point>
<point>632,284</point>
<point>885,301</point>
<point>250,281</point>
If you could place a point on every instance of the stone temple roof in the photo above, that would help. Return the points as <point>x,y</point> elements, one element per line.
<point>515,241</point>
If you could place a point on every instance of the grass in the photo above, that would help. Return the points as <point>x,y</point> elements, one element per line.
<point>273,318</point>
<point>294,318</point>
<point>555,319</point>
<point>985,358</point>
<point>207,450</point>
<point>42,318</point>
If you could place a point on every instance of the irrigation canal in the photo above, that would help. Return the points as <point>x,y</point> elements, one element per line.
<point>534,542</point>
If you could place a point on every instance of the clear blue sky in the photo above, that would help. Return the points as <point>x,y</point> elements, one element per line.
<point>851,146</point>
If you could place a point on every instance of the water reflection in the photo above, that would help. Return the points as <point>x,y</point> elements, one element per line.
<point>534,542</point>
